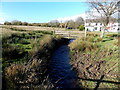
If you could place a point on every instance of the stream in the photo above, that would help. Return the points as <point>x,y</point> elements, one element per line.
<point>61,74</point>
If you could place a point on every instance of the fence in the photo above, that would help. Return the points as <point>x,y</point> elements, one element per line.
<point>69,34</point>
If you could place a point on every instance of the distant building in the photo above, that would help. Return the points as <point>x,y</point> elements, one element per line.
<point>113,27</point>
<point>95,25</point>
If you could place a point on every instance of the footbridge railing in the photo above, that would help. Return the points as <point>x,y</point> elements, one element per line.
<point>69,34</point>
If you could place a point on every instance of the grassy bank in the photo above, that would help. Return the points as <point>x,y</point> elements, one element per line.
<point>20,46</point>
<point>26,57</point>
<point>96,59</point>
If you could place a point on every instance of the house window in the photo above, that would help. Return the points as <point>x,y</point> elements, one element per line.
<point>96,24</point>
<point>101,24</point>
<point>89,24</point>
<point>95,28</point>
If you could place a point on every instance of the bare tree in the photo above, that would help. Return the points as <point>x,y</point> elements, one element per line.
<point>105,9</point>
<point>70,24</point>
<point>54,23</point>
<point>79,21</point>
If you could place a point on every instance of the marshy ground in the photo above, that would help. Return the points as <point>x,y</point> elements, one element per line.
<point>27,52</point>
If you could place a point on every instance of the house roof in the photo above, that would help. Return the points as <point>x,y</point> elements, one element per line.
<point>100,20</point>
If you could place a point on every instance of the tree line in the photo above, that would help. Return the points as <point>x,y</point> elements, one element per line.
<point>16,22</point>
<point>69,24</point>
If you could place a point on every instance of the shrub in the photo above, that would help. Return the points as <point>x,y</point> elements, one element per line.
<point>17,35</point>
<point>12,52</point>
<point>39,44</point>
<point>20,76</point>
<point>24,41</point>
<point>112,35</point>
<point>93,34</point>
<point>81,27</point>
<point>7,23</point>
<point>58,36</point>
<point>83,46</point>
<point>46,40</point>
<point>98,39</point>
<point>116,42</point>
<point>88,38</point>
<point>13,74</point>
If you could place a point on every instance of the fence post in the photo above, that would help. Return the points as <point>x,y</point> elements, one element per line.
<point>53,32</point>
<point>69,34</point>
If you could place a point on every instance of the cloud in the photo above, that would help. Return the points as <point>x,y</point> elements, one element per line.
<point>93,14</point>
<point>2,20</point>
<point>3,17</point>
<point>63,19</point>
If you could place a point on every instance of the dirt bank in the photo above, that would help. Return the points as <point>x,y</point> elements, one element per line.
<point>96,62</point>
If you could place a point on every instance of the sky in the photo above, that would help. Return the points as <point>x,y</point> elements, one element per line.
<point>41,12</point>
<point>43,0</point>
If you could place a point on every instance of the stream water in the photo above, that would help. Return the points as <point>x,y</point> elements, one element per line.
<point>61,74</point>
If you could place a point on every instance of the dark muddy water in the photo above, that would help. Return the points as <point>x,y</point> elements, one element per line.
<point>60,73</point>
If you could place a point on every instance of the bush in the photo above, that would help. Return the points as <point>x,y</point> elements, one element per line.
<point>40,44</point>
<point>7,23</point>
<point>116,42</point>
<point>13,74</point>
<point>24,41</point>
<point>81,27</point>
<point>93,34</point>
<point>12,52</point>
<point>112,35</point>
<point>98,39</point>
<point>83,46</point>
<point>88,38</point>
<point>20,76</point>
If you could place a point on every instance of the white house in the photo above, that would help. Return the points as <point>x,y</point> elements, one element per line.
<point>95,25</point>
<point>113,27</point>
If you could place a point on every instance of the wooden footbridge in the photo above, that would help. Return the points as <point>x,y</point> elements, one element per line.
<point>69,34</point>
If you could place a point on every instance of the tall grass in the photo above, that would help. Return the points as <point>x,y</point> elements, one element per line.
<point>84,44</point>
<point>93,57</point>
<point>32,74</point>
<point>20,76</point>
<point>17,45</point>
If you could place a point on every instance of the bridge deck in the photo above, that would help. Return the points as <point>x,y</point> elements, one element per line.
<point>69,34</point>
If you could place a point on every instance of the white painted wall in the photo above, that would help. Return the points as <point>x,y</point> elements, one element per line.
<point>112,27</point>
